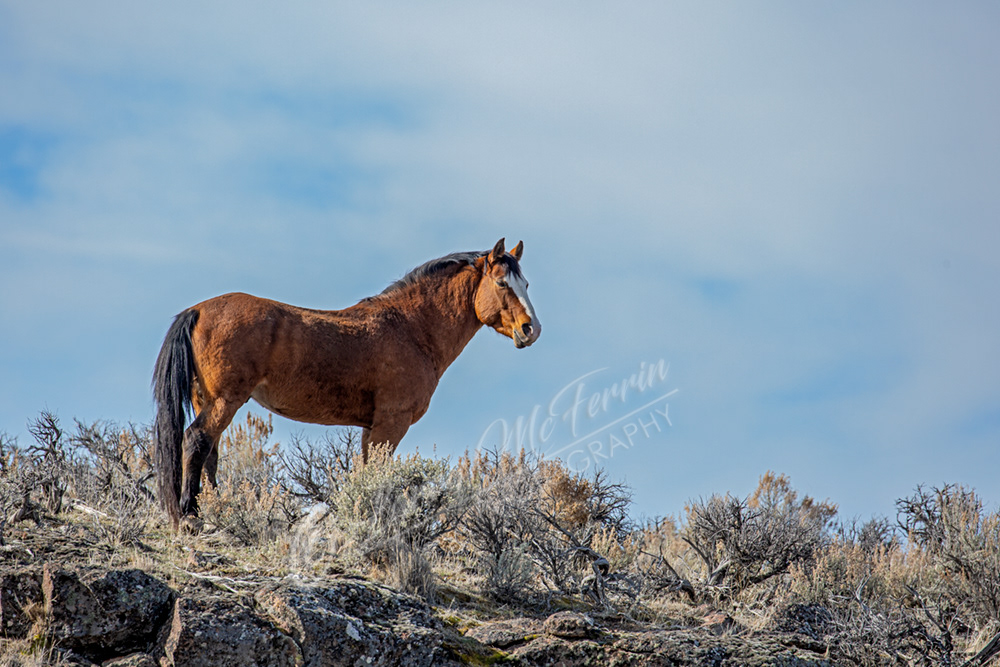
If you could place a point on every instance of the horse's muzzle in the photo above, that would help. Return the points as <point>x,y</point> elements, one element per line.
<point>527,334</point>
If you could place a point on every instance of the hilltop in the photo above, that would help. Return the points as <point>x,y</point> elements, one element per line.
<point>306,558</point>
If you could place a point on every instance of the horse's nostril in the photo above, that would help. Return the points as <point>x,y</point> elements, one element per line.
<point>526,328</point>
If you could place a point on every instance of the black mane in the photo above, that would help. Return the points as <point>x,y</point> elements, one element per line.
<point>435,266</point>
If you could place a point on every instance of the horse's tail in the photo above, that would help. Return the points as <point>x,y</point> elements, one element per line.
<point>173,378</point>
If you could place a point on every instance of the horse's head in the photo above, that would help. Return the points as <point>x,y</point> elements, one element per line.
<point>502,298</point>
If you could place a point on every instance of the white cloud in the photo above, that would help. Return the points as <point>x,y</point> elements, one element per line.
<point>831,170</point>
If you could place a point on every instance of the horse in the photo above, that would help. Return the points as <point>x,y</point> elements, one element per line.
<point>374,365</point>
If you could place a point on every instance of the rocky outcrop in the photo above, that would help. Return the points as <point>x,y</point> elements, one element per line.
<point>215,631</point>
<point>350,622</point>
<point>128,618</point>
<point>20,600</point>
<point>571,638</point>
<point>103,614</point>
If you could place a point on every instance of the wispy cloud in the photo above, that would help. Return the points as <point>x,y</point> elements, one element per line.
<point>794,205</point>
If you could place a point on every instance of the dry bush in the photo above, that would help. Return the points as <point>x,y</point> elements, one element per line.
<point>533,520</point>
<point>573,510</point>
<point>34,479</point>
<point>499,521</point>
<point>15,485</point>
<point>668,561</point>
<point>394,509</point>
<point>873,607</point>
<point>101,469</point>
<point>746,542</point>
<point>317,470</point>
<point>410,570</point>
<point>253,501</point>
<point>930,600</point>
<point>112,474</point>
<point>48,460</point>
<point>853,591</point>
<point>952,527</point>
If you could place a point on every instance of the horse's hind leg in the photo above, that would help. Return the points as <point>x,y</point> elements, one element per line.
<point>200,441</point>
<point>212,461</point>
<point>212,465</point>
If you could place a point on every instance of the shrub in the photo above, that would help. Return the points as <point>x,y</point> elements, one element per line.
<point>499,522</point>
<point>747,542</point>
<point>393,510</point>
<point>48,460</point>
<point>112,469</point>
<point>923,602</point>
<point>253,502</point>
<point>663,563</point>
<point>34,479</point>
<point>316,471</point>
<point>14,491</point>
<point>531,519</point>
<point>952,527</point>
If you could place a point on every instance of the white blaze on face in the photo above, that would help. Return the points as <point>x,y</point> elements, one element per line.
<point>520,287</point>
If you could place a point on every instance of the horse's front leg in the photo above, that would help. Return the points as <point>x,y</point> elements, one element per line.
<point>366,437</point>
<point>384,435</point>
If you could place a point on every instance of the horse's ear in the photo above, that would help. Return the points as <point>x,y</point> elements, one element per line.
<point>497,252</point>
<point>517,251</point>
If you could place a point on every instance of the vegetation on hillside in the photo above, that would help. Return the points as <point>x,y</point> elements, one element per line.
<point>500,533</point>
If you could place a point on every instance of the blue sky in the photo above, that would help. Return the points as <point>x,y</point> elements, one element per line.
<point>794,206</point>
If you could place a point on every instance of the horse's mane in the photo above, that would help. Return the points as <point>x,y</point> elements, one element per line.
<point>438,265</point>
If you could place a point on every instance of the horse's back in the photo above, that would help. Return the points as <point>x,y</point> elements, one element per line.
<point>311,365</point>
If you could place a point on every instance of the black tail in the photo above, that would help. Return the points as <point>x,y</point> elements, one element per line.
<point>172,381</point>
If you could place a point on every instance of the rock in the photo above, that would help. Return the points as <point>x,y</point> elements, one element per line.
<point>570,625</point>
<point>550,650</point>
<point>504,634</point>
<point>102,614</point>
<point>133,660</point>
<point>718,623</point>
<point>349,622</point>
<point>20,592</point>
<point>219,632</point>
<point>110,615</point>
<point>67,658</point>
<point>811,620</point>
<point>697,648</point>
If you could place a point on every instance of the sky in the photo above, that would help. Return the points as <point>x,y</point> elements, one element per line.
<point>758,236</point>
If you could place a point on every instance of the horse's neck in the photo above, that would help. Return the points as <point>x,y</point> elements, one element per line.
<point>442,315</point>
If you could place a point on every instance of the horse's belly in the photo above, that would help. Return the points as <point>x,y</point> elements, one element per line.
<point>329,410</point>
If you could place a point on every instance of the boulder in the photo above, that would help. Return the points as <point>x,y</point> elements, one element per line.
<point>133,660</point>
<point>102,614</point>
<point>349,622</point>
<point>221,632</point>
<point>20,593</point>
<point>507,633</point>
<point>571,625</point>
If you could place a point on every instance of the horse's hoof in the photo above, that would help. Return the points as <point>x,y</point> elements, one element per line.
<point>191,525</point>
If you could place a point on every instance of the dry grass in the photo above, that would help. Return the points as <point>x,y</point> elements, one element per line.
<point>496,533</point>
<point>253,501</point>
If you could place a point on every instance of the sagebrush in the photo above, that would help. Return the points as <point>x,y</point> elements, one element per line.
<point>529,533</point>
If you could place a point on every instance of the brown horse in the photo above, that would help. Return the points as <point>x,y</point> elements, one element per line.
<point>373,365</point>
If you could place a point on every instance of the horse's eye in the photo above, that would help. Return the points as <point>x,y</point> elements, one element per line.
<point>502,284</point>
